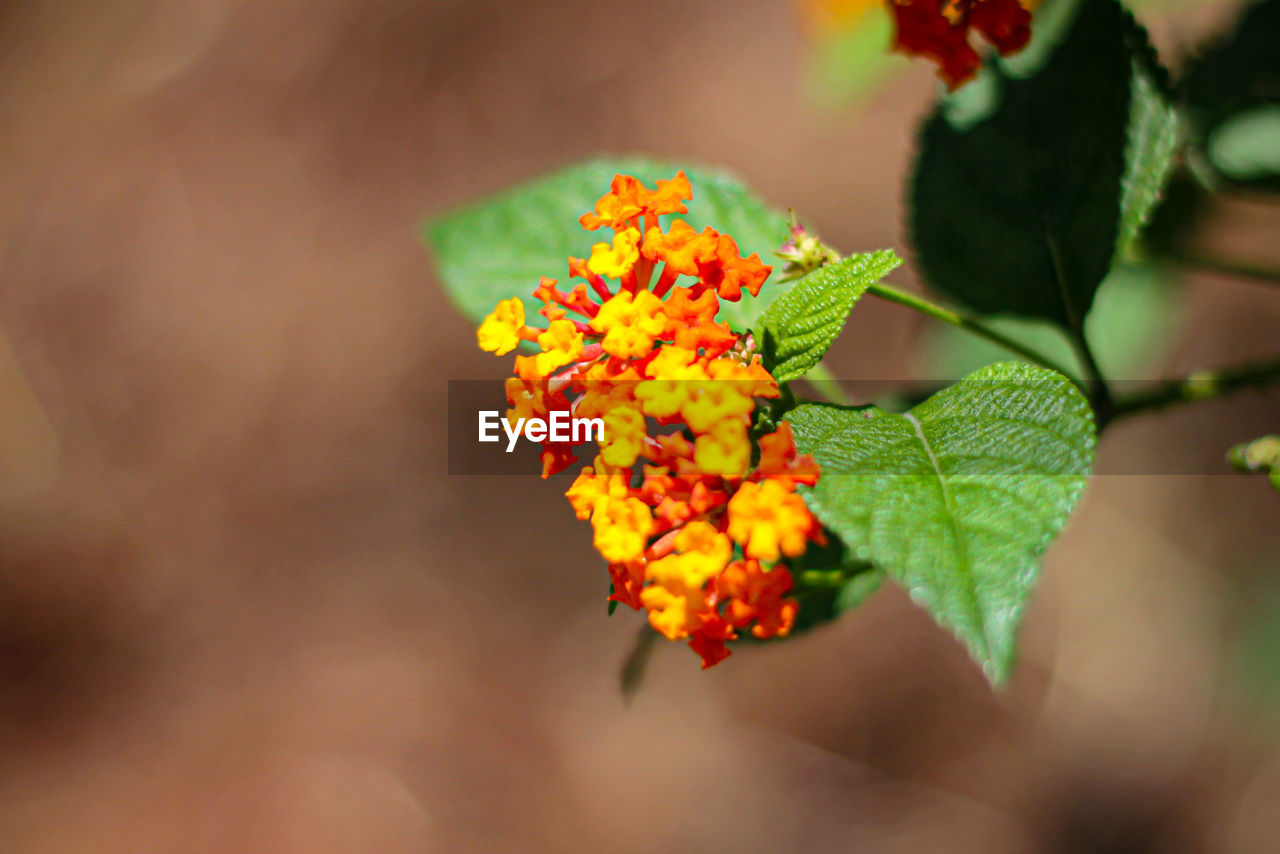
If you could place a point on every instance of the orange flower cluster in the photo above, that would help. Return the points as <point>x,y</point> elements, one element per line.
<point>939,29</point>
<point>693,531</point>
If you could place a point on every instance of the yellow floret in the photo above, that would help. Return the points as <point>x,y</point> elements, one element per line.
<point>725,450</point>
<point>629,324</point>
<point>500,331</point>
<point>561,344</point>
<point>617,260</point>
<point>676,599</point>
<point>623,436</point>
<point>768,520</point>
<point>622,528</point>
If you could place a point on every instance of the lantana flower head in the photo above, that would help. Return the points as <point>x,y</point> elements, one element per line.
<point>694,510</point>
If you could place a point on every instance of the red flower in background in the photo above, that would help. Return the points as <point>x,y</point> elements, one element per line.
<point>939,29</point>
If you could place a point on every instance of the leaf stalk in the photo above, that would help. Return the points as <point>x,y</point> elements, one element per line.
<point>965,322</point>
<point>1227,266</point>
<point>1200,385</point>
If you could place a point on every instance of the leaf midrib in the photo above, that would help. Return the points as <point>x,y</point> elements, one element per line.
<point>963,562</point>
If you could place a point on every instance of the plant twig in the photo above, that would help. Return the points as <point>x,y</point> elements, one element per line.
<point>1098,391</point>
<point>1201,385</point>
<point>965,322</point>
<point>1240,269</point>
<point>805,253</point>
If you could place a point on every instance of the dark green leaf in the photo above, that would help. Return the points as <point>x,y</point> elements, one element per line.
<point>800,325</point>
<point>1184,205</point>
<point>1016,187</point>
<point>498,248</point>
<point>1238,74</point>
<point>827,581</point>
<point>957,499</point>
<point>823,599</point>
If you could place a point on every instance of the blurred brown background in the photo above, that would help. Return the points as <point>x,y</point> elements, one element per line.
<point>243,608</point>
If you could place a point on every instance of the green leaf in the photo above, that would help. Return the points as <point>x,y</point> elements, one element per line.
<point>1253,656</point>
<point>1016,186</point>
<point>1239,74</point>
<point>847,65</point>
<point>1155,137</point>
<point>958,498</point>
<point>798,328</point>
<point>498,248</point>
<point>857,589</point>
<point>1246,147</point>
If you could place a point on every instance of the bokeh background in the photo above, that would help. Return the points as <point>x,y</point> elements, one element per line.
<point>244,608</point>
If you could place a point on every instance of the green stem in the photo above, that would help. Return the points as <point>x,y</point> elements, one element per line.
<point>965,322</point>
<point>1239,269</point>
<point>1099,391</point>
<point>827,386</point>
<point>1201,385</point>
